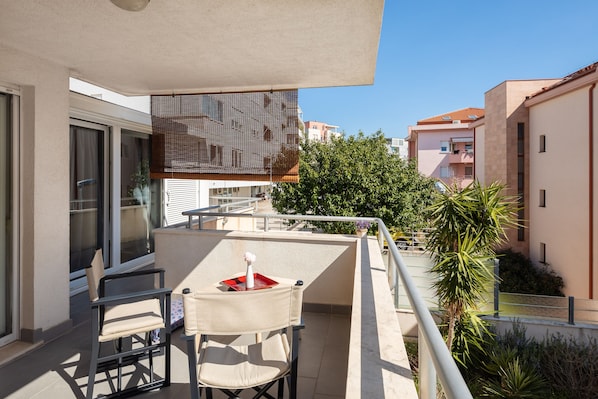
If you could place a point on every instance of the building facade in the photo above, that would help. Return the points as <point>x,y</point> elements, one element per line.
<point>443,146</point>
<point>320,131</point>
<point>398,147</point>
<point>563,179</point>
<point>537,138</point>
<point>502,147</point>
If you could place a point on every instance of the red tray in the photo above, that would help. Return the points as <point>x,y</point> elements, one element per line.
<point>260,282</point>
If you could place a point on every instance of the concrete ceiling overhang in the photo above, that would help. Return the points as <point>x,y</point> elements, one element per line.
<point>201,46</point>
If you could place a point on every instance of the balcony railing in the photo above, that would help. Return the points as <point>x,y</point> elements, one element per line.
<point>461,156</point>
<point>435,360</point>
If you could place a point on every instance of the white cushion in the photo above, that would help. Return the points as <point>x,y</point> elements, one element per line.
<point>131,318</point>
<point>222,366</point>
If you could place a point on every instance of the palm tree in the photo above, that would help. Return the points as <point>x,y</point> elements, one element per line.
<point>467,225</point>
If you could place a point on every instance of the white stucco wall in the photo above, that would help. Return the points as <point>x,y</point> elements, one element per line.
<point>44,268</point>
<point>563,171</point>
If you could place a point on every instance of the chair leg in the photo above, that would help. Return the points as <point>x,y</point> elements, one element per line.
<point>167,358</point>
<point>148,342</point>
<point>95,352</point>
<point>93,366</point>
<point>119,366</point>
<point>294,364</point>
<point>280,388</point>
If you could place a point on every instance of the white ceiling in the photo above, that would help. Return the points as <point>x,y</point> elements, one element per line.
<point>201,46</point>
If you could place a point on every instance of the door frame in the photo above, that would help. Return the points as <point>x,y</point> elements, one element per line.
<point>15,99</point>
<point>106,219</point>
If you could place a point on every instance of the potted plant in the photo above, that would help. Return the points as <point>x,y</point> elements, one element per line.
<point>362,227</point>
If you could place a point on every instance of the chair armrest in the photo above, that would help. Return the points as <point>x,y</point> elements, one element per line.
<point>131,274</point>
<point>131,297</point>
<point>299,326</point>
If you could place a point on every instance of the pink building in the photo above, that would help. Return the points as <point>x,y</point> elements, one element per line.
<point>443,146</point>
<point>320,131</point>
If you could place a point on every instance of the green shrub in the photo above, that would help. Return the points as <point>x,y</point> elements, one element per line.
<point>570,366</point>
<point>519,275</point>
<point>516,380</point>
<point>511,365</point>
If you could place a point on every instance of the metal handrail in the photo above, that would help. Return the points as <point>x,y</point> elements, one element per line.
<point>433,346</point>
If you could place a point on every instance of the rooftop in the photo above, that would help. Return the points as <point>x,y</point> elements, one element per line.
<point>464,115</point>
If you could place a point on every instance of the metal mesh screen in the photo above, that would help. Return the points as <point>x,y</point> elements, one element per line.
<point>233,136</point>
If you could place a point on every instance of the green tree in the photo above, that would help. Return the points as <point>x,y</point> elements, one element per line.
<point>355,176</point>
<point>467,225</point>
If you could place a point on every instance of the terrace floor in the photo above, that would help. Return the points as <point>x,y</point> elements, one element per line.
<point>58,369</point>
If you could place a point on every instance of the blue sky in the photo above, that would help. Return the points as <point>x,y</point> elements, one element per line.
<point>440,56</point>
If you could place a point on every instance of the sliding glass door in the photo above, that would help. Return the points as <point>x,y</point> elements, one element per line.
<point>140,197</point>
<point>7,267</point>
<point>88,195</point>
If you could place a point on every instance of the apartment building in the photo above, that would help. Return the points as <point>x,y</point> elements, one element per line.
<point>321,131</point>
<point>443,146</point>
<point>398,147</point>
<point>537,138</point>
<point>563,180</point>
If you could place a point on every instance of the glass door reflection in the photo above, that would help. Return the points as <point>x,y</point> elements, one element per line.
<point>87,196</point>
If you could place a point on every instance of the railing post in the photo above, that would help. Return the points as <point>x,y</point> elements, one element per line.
<point>396,283</point>
<point>266,223</point>
<point>200,222</point>
<point>496,285</point>
<point>571,310</point>
<point>427,373</point>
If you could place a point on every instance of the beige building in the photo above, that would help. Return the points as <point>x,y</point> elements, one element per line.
<point>537,138</point>
<point>502,152</point>
<point>563,180</point>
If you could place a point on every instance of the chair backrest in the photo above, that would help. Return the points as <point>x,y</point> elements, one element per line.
<point>242,312</point>
<point>94,273</point>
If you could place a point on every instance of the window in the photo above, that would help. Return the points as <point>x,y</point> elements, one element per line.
<point>445,171</point>
<point>212,108</point>
<point>542,143</point>
<point>267,133</point>
<point>468,171</point>
<point>521,179</point>
<point>236,158</point>
<point>543,198</point>
<point>216,155</point>
<point>267,100</point>
<point>292,139</point>
<point>521,227</point>
<point>469,148</point>
<point>542,257</point>
<point>236,124</point>
<point>444,146</point>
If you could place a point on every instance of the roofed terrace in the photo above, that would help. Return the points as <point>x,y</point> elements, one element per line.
<point>346,294</point>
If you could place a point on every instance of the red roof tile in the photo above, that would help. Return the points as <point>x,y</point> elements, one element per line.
<point>464,115</point>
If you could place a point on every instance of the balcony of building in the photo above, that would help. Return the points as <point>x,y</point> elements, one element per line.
<point>353,343</point>
<point>461,157</point>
